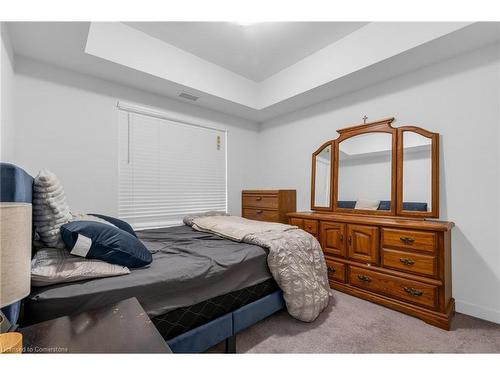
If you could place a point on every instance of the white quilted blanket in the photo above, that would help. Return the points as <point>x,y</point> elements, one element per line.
<point>295,259</point>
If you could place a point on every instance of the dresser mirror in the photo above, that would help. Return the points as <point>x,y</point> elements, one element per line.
<point>322,177</point>
<point>365,172</point>
<point>365,169</point>
<point>377,169</point>
<point>418,172</point>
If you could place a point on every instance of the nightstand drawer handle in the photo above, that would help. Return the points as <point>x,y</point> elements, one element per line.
<point>258,198</point>
<point>331,269</point>
<point>413,292</point>
<point>407,261</point>
<point>259,212</point>
<point>407,240</point>
<point>364,278</point>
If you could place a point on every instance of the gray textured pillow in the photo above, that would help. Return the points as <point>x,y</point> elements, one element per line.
<point>54,266</point>
<point>50,210</point>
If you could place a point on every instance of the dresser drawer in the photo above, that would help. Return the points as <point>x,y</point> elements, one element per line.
<point>393,286</point>
<point>260,201</point>
<point>336,270</point>
<point>410,262</point>
<point>408,239</point>
<point>297,222</point>
<point>311,226</point>
<point>262,215</point>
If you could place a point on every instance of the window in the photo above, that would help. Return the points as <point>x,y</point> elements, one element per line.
<point>168,169</point>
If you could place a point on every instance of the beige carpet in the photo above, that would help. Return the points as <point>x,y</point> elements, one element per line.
<point>353,325</point>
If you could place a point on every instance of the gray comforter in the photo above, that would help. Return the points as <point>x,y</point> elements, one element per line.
<point>188,267</point>
<point>295,259</point>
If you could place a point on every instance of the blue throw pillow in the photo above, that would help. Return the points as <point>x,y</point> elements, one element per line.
<point>104,242</point>
<point>123,225</point>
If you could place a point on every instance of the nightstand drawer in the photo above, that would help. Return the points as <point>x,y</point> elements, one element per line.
<point>410,262</point>
<point>408,239</point>
<point>262,215</point>
<point>260,201</point>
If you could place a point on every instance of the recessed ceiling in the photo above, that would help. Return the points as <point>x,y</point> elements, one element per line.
<point>255,51</point>
<point>368,55</point>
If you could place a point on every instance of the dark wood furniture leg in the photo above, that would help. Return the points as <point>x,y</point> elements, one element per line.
<point>231,345</point>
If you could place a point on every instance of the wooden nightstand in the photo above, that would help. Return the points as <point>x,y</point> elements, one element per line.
<point>123,327</point>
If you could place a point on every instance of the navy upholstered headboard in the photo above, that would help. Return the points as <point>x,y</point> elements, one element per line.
<point>15,186</point>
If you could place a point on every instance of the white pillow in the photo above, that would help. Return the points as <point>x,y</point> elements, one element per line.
<point>50,210</point>
<point>366,204</point>
<point>54,266</point>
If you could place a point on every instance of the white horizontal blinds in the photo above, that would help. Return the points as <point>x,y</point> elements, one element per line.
<point>169,169</point>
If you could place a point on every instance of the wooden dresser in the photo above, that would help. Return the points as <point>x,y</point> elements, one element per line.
<point>268,205</point>
<point>401,263</point>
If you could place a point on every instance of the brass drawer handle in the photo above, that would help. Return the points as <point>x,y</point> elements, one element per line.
<point>331,269</point>
<point>349,240</point>
<point>407,261</point>
<point>258,198</point>
<point>413,292</point>
<point>364,278</point>
<point>407,240</point>
<point>341,238</point>
<point>259,211</point>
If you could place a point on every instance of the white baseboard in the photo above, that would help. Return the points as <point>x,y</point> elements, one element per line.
<point>477,311</point>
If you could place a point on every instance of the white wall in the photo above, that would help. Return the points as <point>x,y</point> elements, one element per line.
<point>68,123</point>
<point>6,95</point>
<point>458,98</point>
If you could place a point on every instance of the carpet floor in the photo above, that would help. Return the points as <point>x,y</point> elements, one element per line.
<point>353,325</point>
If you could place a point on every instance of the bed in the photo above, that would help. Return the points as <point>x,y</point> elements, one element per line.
<point>194,278</point>
<point>199,290</point>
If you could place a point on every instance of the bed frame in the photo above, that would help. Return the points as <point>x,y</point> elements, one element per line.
<point>17,185</point>
<point>227,326</point>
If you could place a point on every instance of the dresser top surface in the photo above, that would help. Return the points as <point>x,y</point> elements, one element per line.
<point>390,221</point>
<point>266,191</point>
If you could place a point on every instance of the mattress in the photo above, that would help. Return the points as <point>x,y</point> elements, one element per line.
<point>188,267</point>
<point>183,319</point>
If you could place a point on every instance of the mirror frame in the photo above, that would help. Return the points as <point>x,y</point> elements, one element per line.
<point>397,171</point>
<point>381,126</point>
<point>313,176</point>
<point>434,137</point>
